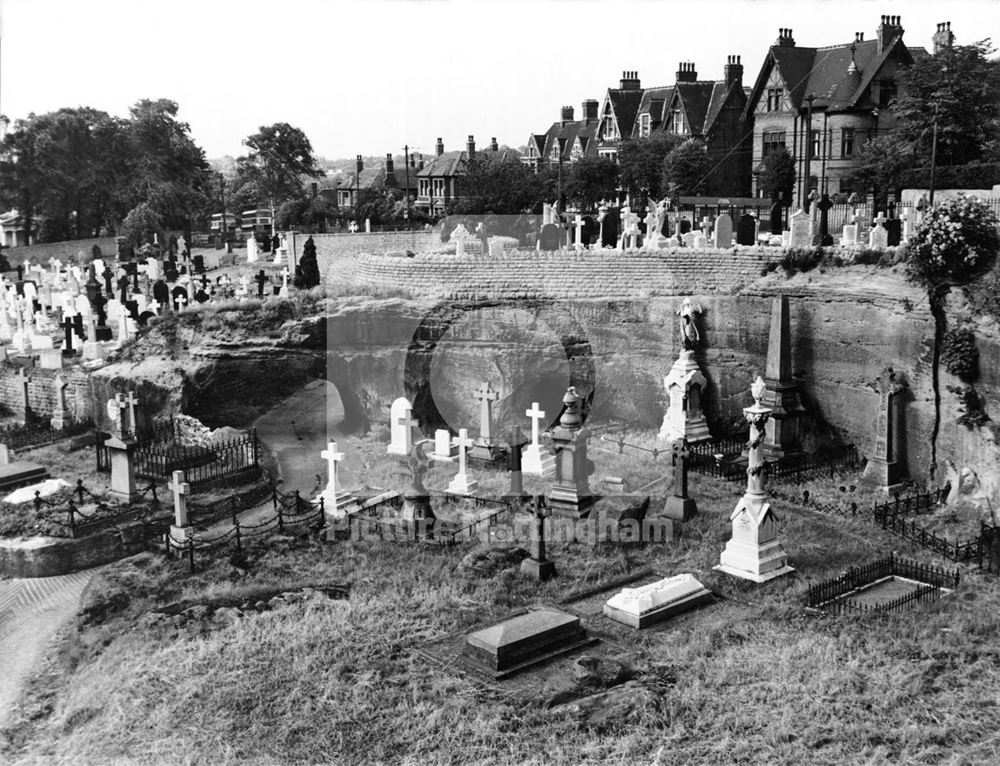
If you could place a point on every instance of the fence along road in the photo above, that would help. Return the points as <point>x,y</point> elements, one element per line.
<point>31,612</point>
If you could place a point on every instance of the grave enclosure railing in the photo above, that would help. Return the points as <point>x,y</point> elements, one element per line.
<point>829,595</point>
<point>75,522</point>
<point>39,434</point>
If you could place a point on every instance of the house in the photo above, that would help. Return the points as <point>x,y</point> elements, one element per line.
<point>823,104</point>
<point>710,110</point>
<point>388,176</point>
<point>566,140</point>
<point>439,181</point>
<point>618,113</point>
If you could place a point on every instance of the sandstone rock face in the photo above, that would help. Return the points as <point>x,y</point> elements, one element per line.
<point>846,324</point>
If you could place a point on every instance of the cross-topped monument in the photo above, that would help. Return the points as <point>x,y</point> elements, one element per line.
<point>535,460</point>
<point>180,489</point>
<point>883,469</point>
<point>679,506</point>
<point>461,485</point>
<point>337,502</point>
<point>485,444</point>
<point>537,566</point>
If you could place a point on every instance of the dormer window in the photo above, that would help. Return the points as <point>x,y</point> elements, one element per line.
<point>644,122</point>
<point>886,92</point>
<point>677,122</point>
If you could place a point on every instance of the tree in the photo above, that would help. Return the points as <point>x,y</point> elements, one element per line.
<point>686,168</point>
<point>496,184</point>
<point>640,162</point>
<point>956,242</point>
<point>140,224</point>
<point>591,180</point>
<point>777,177</point>
<point>959,87</point>
<point>881,163</point>
<point>280,158</point>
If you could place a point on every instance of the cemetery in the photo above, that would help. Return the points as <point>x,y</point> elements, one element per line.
<point>598,496</point>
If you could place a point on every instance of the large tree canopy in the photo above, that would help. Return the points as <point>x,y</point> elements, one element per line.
<point>496,184</point>
<point>81,170</point>
<point>686,168</point>
<point>641,165</point>
<point>592,180</point>
<point>280,159</point>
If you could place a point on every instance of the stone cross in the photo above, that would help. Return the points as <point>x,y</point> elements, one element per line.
<point>679,456</point>
<point>260,279</point>
<point>67,325</point>
<point>284,280</point>
<point>133,419</point>
<point>486,397</point>
<point>824,206</point>
<point>118,406</point>
<point>578,221</point>
<point>181,489</point>
<point>461,485</point>
<point>880,219</point>
<point>123,325</point>
<point>332,458</point>
<point>887,387</point>
<point>536,416</point>
<point>464,443</point>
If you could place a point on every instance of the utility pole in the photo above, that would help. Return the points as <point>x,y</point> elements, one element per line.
<point>406,153</point>
<point>359,166</point>
<point>937,105</point>
<point>222,190</point>
<point>809,150</point>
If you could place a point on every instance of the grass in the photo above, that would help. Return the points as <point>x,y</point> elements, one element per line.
<point>756,680</point>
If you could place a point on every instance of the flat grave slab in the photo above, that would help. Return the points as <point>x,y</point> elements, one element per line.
<point>658,601</point>
<point>14,475</point>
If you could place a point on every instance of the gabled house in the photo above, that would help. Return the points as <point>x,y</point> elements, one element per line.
<point>439,181</point>
<point>568,139</point>
<point>618,113</point>
<point>823,104</point>
<point>710,110</point>
<point>388,176</point>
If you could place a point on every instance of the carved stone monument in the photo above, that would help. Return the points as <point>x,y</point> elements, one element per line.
<point>883,468</point>
<point>781,394</point>
<point>570,494</point>
<point>754,551</point>
<point>679,506</point>
<point>536,460</point>
<point>685,385</point>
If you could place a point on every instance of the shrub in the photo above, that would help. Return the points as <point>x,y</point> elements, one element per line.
<point>956,242</point>
<point>959,354</point>
<point>970,406</point>
<point>801,259</point>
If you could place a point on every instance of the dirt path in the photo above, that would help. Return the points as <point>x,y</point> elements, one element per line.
<point>31,612</point>
<point>297,430</point>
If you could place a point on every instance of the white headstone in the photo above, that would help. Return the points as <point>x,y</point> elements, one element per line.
<point>401,423</point>
<point>700,241</point>
<point>850,235</point>
<point>801,229</point>
<point>180,489</point>
<point>461,485</point>
<point>443,447</point>
<point>535,460</point>
<point>878,239</point>
<point>723,231</point>
<point>251,250</point>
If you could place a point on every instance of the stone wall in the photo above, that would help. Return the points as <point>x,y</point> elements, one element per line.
<point>332,249</point>
<point>51,556</point>
<point>522,274</point>
<point>42,391</point>
<point>61,250</point>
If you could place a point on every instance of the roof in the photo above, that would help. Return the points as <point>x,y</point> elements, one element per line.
<point>661,95</point>
<point>375,178</point>
<point>695,98</point>
<point>585,130</point>
<point>625,104</point>
<point>453,163</point>
<point>825,71</point>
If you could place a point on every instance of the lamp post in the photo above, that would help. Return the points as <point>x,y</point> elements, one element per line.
<point>406,152</point>
<point>823,150</point>
<point>562,148</point>
<point>222,190</point>
<point>359,166</point>
<point>809,148</point>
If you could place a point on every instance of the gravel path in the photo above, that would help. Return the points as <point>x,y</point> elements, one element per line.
<point>31,612</point>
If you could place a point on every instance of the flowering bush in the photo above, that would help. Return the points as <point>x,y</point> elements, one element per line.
<point>959,354</point>
<point>956,242</point>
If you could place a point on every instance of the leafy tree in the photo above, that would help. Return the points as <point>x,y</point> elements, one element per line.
<point>280,157</point>
<point>496,184</point>
<point>640,162</point>
<point>686,168</point>
<point>591,180</point>
<point>959,85</point>
<point>140,224</point>
<point>777,177</point>
<point>881,164</point>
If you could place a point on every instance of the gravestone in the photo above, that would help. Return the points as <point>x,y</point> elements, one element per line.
<point>754,551</point>
<point>444,450</point>
<point>121,447</point>
<point>849,238</point>
<point>823,238</point>
<point>524,640</point>
<point>801,230</point>
<point>878,238</point>
<point>485,444</point>
<point>416,514</point>
<point>723,234</point>
<point>746,232</point>
<point>198,261</point>
<point>570,494</point>
<point>550,237</point>
<point>337,501</point>
<point>699,241</point>
<point>884,468</point>
<point>515,443</point>
<point>894,232</point>
<point>649,604</point>
<point>782,392</point>
<point>535,460</point>
<point>181,528</point>
<point>461,485</point>
<point>537,566</point>
<point>679,506</point>
<point>689,239</point>
<point>685,385</point>
<point>610,226</point>
<point>400,425</point>
<point>776,225</point>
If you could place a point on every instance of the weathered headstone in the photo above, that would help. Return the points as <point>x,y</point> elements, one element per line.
<point>610,226</point>
<point>444,449</point>
<point>685,385</point>
<point>401,424</point>
<point>723,234</point>
<point>679,506</point>
<point>746,232</point>
<point>537,566</point>
<point>782,392</point>
<point>801,230</point>
<point>550,237</point>
<point>878,238</point>
<point>485,444</point>
<point>776,225</point>
<point>884,468</point>
<point>570,494</point>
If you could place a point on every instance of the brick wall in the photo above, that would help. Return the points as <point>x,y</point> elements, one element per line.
<point>335,249</point>
<point>522,274</point>
<point>61,250</point>
<point>42,392</point>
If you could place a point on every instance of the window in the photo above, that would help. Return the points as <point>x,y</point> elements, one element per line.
<point>886,92</point>
<point>576,152</point>
<point>677,122</point>
<point>773,142</point>
<point>814,143</point>
<point>438,187</point>
<point>644,124</point>
<point>774,99</point>
<point>847,142</point>
<point>425,187</point>
<point>610,130</point>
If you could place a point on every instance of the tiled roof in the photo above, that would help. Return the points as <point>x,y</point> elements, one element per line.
<point>653,103</point>
<point>447,164</point>
<point>695,98</point>
<point>715,103</point>
<point>626,105</point>
<point>570,130</point>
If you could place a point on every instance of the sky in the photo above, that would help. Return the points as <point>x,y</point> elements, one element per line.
<point>366,77</point>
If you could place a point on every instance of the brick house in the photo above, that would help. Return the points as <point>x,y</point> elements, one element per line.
<point>388,176</point>
<point>852,86</point>
<point>439,181</point>
<point>618,113</point>
<point>568,139</point>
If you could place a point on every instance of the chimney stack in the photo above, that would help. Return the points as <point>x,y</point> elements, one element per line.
<point>590,107</point>
<point>686,72</point>
<point>389,166</point>
<point>888,29</point>
<point>470,147</point>
<point>733,72</point>
<point>943,39</point>
<point>630,80</point>
<point>566,114</point>
<point>494,146</point>
<point>785,39</point>
<point>440,147</point>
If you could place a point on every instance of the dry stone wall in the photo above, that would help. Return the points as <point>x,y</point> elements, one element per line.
<point>337,250</point>
<point>61,250</point>
<point>567,274</point>
<point>42,391</point>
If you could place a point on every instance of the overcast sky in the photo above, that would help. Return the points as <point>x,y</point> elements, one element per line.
<point>369,77</point>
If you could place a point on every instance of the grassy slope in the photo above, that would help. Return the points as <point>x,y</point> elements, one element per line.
<point>757,680</point>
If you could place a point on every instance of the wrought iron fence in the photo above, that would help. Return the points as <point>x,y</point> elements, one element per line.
<point>39,434</point>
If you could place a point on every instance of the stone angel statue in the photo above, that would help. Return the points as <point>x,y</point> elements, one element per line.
<point>689,330</point>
